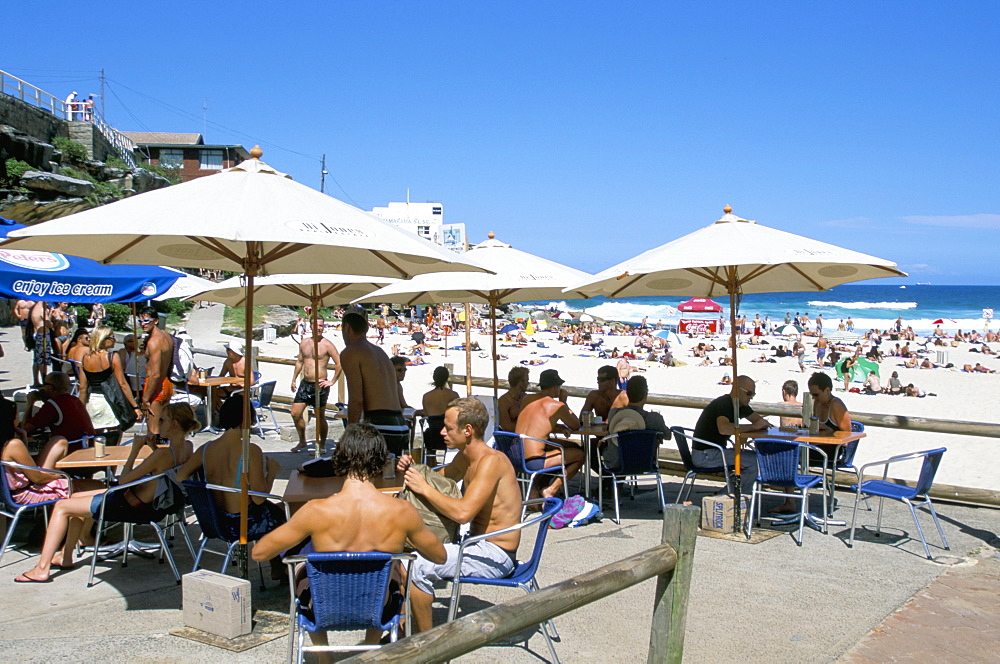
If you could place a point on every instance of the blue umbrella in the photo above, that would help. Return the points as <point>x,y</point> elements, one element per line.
<point>510,327</point>
<point>41,275</point>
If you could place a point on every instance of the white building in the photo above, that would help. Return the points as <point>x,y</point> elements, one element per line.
<point>425,220</point>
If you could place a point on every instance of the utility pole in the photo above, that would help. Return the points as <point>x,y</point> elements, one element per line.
<point>322,175</point>
<point>104,113</point>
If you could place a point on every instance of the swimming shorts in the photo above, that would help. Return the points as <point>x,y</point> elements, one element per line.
<point>396,442</point>
<point>166,391</point>
<point>43,348</point>
<point>535,463</point>
<point>483,559</point>
<point>307,394</point>
<point>821,353</point>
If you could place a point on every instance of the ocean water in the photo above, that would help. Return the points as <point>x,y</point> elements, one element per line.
<point>870,306</point>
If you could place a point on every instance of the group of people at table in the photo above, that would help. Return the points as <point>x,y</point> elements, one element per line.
<point>360,517</point>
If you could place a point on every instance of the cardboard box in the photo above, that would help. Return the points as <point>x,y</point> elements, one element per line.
<point>718,512</point>
<point>216,603</point>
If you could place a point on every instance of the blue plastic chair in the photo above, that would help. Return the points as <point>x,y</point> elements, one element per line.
<point>886,489</point>
<point>199,495</point>
<point>260,400</point>
<point>523,576</point>
<point>12,509</point>
<point>348,592</point>
<point>638,455</point>
<point>681,436</point>
<point>512,445</point>
<point>778,465</point>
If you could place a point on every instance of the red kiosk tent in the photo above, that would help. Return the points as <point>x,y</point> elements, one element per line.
<point>699,325</point>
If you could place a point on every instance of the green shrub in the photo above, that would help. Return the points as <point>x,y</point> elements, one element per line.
<point>74,151</point>
<point>118,315</point>
<point>172,174</point>
<point>15,169</point>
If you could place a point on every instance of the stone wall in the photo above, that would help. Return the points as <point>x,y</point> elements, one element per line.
<point>30,119</point>
<point>87,135</point>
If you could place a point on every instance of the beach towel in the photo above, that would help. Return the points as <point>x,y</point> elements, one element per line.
<point>570,509</point>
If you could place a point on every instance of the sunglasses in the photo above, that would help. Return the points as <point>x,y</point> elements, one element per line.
<point>749,393</point>
<point>145,321</point>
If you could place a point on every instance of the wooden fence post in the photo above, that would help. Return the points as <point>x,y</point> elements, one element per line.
<point>666,636</point>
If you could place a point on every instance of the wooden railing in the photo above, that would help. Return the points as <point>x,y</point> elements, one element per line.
<point>671,562</point>
<point>26,92</point>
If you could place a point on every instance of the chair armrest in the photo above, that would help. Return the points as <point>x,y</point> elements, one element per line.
<point>258,494</point>
<point>890,460</point>
<point>51,471</point>
<point>721,448</point>
<point>544,442</point>
<point>813,448</point>
<point>503,531</point>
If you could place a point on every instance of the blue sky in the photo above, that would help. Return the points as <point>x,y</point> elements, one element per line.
<point>585,132</point>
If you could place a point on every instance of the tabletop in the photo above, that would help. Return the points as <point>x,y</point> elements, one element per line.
<point>593,430</point>
<point>116,455</point>
<point>802,435</point>
<point>301,488</point>
<point>215,381</point>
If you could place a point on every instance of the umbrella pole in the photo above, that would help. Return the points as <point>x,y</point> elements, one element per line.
<point>250,268</point>
<point>468,350</point>
<point>735,393</point>
<point>493,320</point>
<point>135,357</point>
<point>316,337</point>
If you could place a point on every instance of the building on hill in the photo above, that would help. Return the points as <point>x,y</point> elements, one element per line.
<point>425,220</point>
<point>186,152</point>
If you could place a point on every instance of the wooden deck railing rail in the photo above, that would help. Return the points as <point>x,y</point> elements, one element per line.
<point>671,562</point>
<point>15,87</point>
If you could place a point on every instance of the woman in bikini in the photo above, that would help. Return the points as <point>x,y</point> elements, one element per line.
<point>99,366</point>
<point>222,463</point>
<point>435,402</point>
<point>831,411</point>
<point>72,515</point>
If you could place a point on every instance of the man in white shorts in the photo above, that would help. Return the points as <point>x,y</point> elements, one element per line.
<point>492,502</point>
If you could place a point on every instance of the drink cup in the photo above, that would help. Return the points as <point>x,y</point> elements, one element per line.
<point>99,447</point>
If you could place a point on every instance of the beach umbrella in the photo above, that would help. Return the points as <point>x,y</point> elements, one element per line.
<point>731,257</point>
<point>55,277</point>
<point>309,290</point>
<point>518,277</point>
<point>700,304</point>
<point>529,329</point>
<point>789,330</point>
<point>250,219</point>
<point>510,327</point>
<point>186,287</point>
<point>586,318</point>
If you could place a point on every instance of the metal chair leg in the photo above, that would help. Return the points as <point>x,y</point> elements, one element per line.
<point>937,523</point>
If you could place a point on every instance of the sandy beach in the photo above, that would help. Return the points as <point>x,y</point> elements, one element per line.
<point>957,395</point>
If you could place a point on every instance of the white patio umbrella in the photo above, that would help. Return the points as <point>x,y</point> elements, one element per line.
<point>734,256</point>
<point>312,290</point>
<point>519,277</point>
<point>251,219</point>
<point>185,287</point>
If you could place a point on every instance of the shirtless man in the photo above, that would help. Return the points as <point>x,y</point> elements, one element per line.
<point>157,389</point>
<point>305,395</point>
<point>357,518</point>
<point>607,395</point>
<point>22,309</point>
<point>509,403</point>
<point>542,417</point>
<point>491,501</point>
<point>789,394</point>
<point>821,345</point>
<point>40,326</point>
<point>372,392</point>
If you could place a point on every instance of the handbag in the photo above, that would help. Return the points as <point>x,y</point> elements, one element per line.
<point>122,409</point>
<point>444,528</point>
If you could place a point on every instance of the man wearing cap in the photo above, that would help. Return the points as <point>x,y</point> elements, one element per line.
<point>542,417</point>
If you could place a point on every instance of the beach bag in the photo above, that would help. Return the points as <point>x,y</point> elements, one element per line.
<point>119,404</point>
<point>444,528</point>
<point>589,512</point>
<point>570,509</point>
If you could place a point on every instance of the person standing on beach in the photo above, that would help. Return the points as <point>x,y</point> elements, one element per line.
<point>850,324</point>
<point>158,389</point>
<point>821,345</point>
<point>372,392</point>
<point>819,325</point>
<point>799,350</point>
<point>305,395</point>
<point>41,345</point>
